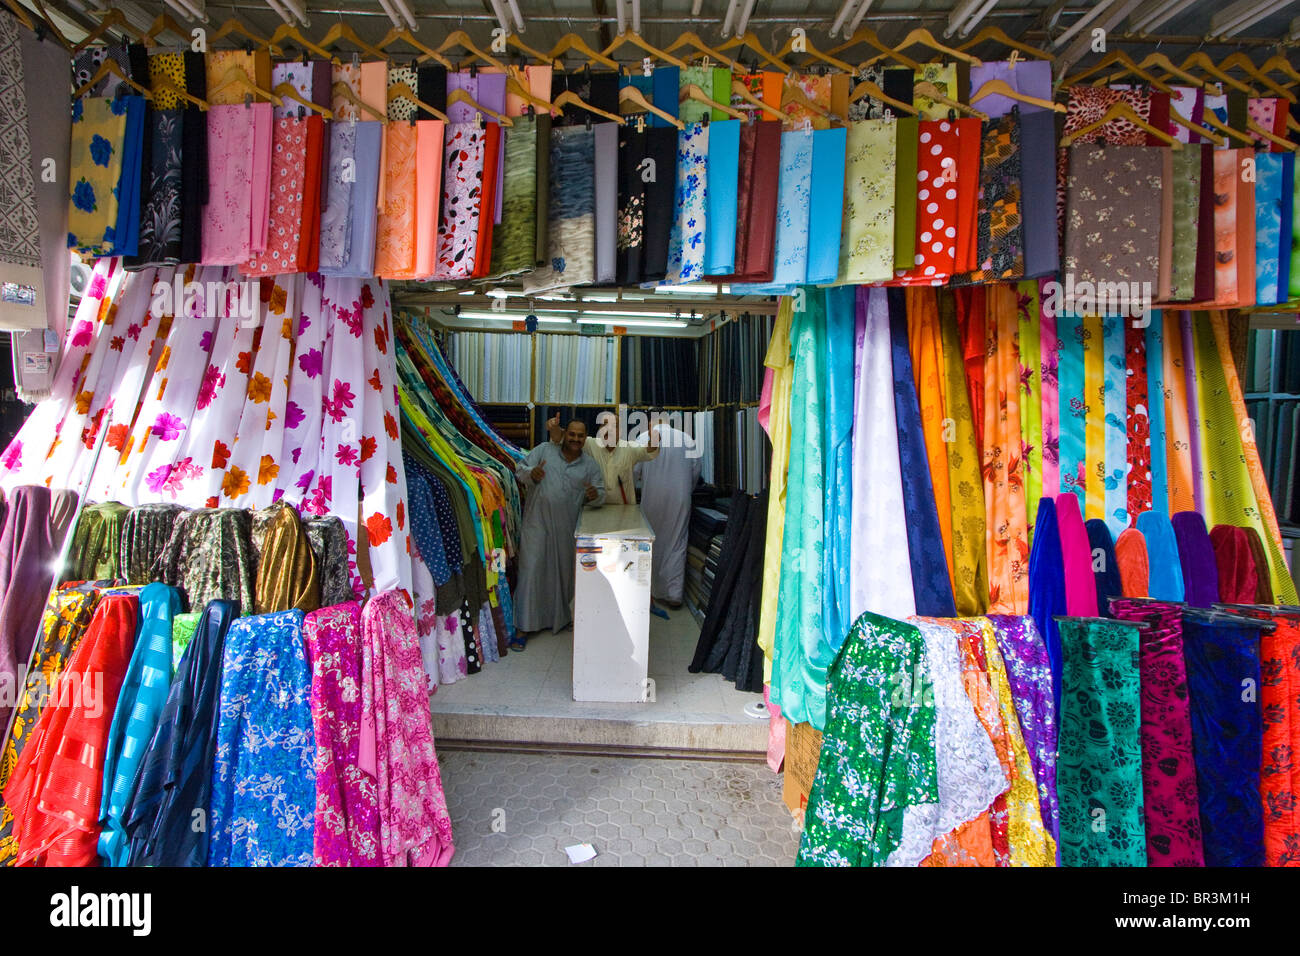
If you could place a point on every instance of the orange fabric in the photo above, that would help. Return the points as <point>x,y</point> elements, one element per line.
<point>773,87</point>
<point>395,230</point>
<point>1178,448</point>
<point>926,346</point>
<point>428,191</point>
<point>1134,566</point>
<point>1007,525</point>
<point>487,206</point>
<point>1225,227</point>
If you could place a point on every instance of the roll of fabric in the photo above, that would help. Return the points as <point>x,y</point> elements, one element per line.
<point>464,155</point>
<point>1113,196</point>
<point>228,215</point>
<point>335,231</point>
<point>867,247</point>
<point>57,785</point>
<point>1268,226</point>
<point>1104,564</point>
<point>67,616</point>
<point>1000,246</point>
<point>632,205</point>
<point>146,529</point>
<point>345,831</point>
<point>329,545</point>
<point>970,145</point>
<point>209,556</point>
<point>1187,204</point>
<point>720,223</point>
<point>1004,487</point>
<point>936,206</point>
<point>1038,191</point>
<point>926,350</point>
<point>837,438</point>
<point>1028,313</point>
<point>1279,660</point>
<point>856,819</point>
<point>1263,584</point>
<point>686,245</point>
<point>825,204</point>
<point>930,582</point>
<point>287,577</point>
<point>1095,427</point>
<point>1034,689</point>
<point>1225,227</point>
<point>1170,805</point>
<point>161,212</point>
<point>1226,734</point>
<point>97,543</point>
<point>1178,431</point>
<point>135,719</point>
<point>428,194</point>
<point>1166,568</point>
<point>1099,767</point>
<point>907,133</point>
<point>1047,595</point>
<point>1134,567</point>
<point>1137,430</point>
<point>774,414</point>
<point>20,249</point>
<point>263,778</point>
<point>1238,583</point>
<point>1287,227</point>
<point>661,148</point>
<point>1157,445</point>
<point>1076,558</point>
<point>1196,556</point>
<point>571,211</point>
<point>1074,406</point>
<point>1116,440</point>
<point>358,254</point>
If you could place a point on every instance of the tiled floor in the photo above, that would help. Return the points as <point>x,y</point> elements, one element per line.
<point>524,809</point>
<point>538,683</point>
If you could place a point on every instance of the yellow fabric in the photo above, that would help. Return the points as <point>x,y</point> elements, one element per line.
<point>926,347</point>
<point>965,486</point>
<point>1178,447</point>
<point>779,361</point>
<point>1094,388</point>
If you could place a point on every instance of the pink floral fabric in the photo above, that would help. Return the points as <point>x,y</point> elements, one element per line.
<point>288,180</point>
<point>414,825</point>
<point>228,215</point>
<point>347,806</point>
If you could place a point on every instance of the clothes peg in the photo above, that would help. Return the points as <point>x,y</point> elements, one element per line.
<point>248,100</point>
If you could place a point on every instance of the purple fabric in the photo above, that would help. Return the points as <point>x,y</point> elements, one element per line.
<point>1193,405</point>
<point>1196,554</point>
<point>1028,77</point>
<point>29,544</point>
<point>1029,672</point>
<point>347,812</point>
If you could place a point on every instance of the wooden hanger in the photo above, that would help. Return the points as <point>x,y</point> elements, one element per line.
<point>749,41</point>
<point>1268,135</point>
<point>1242,62</point>
<point>925,38</point>
<point>1163,62</point>
<point>631,95</point>
<point>1280,64</point>
<point>1120,110</point>
<point>1206,64</point>
<point>110,67</point>
<point>738,88</point>
<point>1201,131</point>
<point>113,18</point>
<point>341,31</point>
<point>404,89</point>
<point>405,35</point>
<point>163,84</point>
<point>515,86</point>
<point>692,39</point>
<point>460,96</point>
<point>792,93</point>
<point>1213,121</point>
<point>571,41</point>
<point>1000,87</point>
<point>816,54</point>
<point>692,92</point>
<point>1124,60</point>
<point>518,44</point>
<point>867,88</point>
<point>344,92</point>
<point>868,36</point>
<point>932,92</point>
<point>569,98</point>
<point>999,35</point>
<point>238,76</point>
<point>627,36</point>
<point>286,91</point>
<point>165,24</point>
<point>235,25</point>
<point>459,38</point>
<point>19,11</point>
<point>287,31</point>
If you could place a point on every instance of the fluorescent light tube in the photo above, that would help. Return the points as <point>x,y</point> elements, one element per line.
<point>1240,16</point>
<point>857,19</point>
<point>513,317</point>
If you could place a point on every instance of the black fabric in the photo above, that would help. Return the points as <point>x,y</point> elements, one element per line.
<point>660,202</point>
<point>194,161</point>
<point>631,206</point>
<point>431,88</point>
<point>1109,584</point>
<point>175,776</point>
<point>597,89</point>
<point>899,81</point>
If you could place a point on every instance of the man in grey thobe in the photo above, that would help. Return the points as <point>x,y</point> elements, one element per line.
<point>666,486</point>
<point>560,480</point>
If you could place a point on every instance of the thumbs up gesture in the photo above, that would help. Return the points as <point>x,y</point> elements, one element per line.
<point>590,492</point>
<point>553,429</point>
<point>539,473</point>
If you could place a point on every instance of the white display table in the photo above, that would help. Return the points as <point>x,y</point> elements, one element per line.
<point>611,613</point>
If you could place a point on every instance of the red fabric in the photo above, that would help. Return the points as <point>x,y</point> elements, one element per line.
<point>1139,423</point>
<point>1159,116</point>
<point>57,785</point>
<point>1237,574</point>
<point>970,323</point>
<point>970,133</point>
<point>487,207</point>
<point>1134,565</point>
<point>309,233</point>
<point>937,180</point>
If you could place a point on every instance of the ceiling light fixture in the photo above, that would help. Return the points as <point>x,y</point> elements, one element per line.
<point>744,17</point>
<point>621,10</point>
<point>845,9</point>
<point>1156,14</point>
<point>514,12</point>
<point>1242,15</point>
<point>513,317</point>
<point>392,14</point>
<point>730,18</point>
<point>1082,22</point>
<point>960,14</point>
<point>857,20</point>
<point>281,12</point>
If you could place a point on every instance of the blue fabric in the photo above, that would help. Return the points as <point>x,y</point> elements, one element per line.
<point>1156,413</point>
<point>426,521</point>
<point>1284,263</point>
<point>135,719</point>
<point>1268,226</point>
<point>790,255</point>
<point>263,774</point>
<point>1166,570</point>
<point>362,211</point>
<point>1047,587</point>
<point>930,583</point>
<point>128,198</point>
<point>666,81</point>
<point>826,205</point>
<point>1107,570</point>
<point>1116,426</point>
<point>722,195</point>
<point>1196,554</point>
<point>1227,736</point>
<point>1073,413</point>
<point>837,439</point>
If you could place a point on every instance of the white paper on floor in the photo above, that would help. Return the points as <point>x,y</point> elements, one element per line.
<point>580,853</point>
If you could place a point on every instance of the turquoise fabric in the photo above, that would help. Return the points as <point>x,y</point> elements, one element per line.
<point>826,205</point>
<point>1073,404</point>
<point>837,437</point>
<point>1268,226</point>
<point>1116,430</point>
<point>722,196</point>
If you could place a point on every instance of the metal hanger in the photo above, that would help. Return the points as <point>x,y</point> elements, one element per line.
<point>631,95</point>
<point>751,42</point>
<point>867,88</point>
<point>1121,110</point>
<point>637,41</point>
<point>1001,88</point>
<point>997,34</point>
<point>868,36</point>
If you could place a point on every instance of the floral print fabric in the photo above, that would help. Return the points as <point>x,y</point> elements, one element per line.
<point>686,247</point>
<point>867,252</point>
<point>103,215</point>
<point>462,192</point>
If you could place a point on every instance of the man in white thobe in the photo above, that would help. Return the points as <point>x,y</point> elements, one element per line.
<point>616,457</point>
<point>667,482</point>
<point>560,481</point>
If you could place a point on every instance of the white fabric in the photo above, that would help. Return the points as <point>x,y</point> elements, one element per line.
<point>666,486</point>
<point>616,465</point>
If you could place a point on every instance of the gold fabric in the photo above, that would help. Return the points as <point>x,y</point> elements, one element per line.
<point>778,359</point>
<point>97,543</point>
<point>286,574</point>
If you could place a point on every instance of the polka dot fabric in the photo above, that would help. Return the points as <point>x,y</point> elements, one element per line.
<point>936,205</point>
<point>169,66</point>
